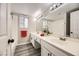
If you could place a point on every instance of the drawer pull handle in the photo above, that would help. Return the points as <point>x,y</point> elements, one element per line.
<point>48,54</point>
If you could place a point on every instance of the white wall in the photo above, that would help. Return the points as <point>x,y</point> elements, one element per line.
<point>35,25</point>
<point>39,25</point>
<point>14,31</point>
<point>32,25</point>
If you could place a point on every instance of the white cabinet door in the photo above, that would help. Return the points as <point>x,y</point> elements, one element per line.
<point>74,24</point>
<point>44,52</point>
<point>53,50</point>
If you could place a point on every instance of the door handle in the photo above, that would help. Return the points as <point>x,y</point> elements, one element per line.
<point>10,41</point>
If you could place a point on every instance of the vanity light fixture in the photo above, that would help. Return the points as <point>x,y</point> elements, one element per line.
<point>54,6</point>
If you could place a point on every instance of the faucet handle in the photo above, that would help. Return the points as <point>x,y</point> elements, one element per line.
<point>62,38</point>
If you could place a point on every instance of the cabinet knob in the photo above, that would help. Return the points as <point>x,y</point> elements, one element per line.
<point>48,54</point>
<point>71,32</point>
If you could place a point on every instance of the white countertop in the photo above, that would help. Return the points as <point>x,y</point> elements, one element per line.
<point>70,45</point>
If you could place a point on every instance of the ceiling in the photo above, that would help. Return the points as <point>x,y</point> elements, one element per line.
<point>32,9</point>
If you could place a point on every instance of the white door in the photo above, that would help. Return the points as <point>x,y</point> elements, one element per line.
<point>8,30</point>
<point>74,24</point>
<point>4,28</point>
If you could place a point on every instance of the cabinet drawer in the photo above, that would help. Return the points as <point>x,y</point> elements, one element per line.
<point>44,52</point>
<point>53,49</point>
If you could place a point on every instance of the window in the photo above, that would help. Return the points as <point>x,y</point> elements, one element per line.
<point>23,21</point>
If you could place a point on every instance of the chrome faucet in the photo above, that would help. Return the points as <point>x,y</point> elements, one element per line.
<point>63,39</point>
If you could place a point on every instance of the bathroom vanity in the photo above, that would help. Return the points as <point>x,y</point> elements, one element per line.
<point>52,45</point>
